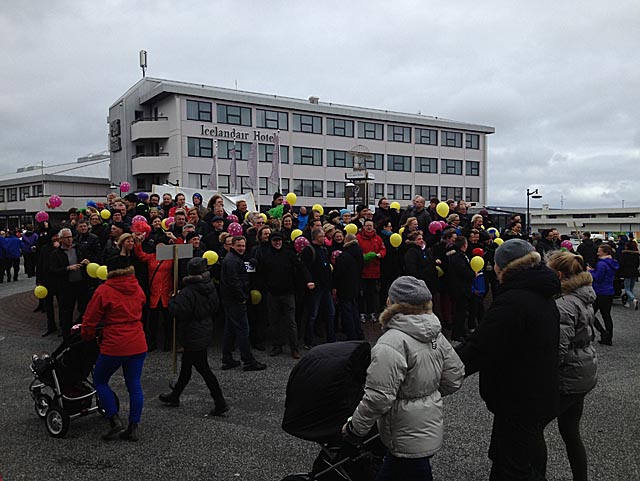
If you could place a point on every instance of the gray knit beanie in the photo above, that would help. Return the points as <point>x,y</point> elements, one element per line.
<point>196,266</point>
<point>511,250</point>
<point>409,290</point>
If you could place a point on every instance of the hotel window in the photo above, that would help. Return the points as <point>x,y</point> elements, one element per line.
<point>12,194</point>
<point>427,191</point>
<point>234,115</point>
<point>1,195</point>
<point>272,119</point>
<point>427,165</point>
<point>335,189</point>
<point>198,147</point>
<point>309,124</point>
<point>307,156</point>
<point>451,167</point>
<point>473,141</point>
<point>472,194</point>
<point>370,130</point>
<point>375,162</point>
<point>266,187</point>
<point>339,158</point>
<point>399,191</point>
<point>199,111</point>
<point>378,190</point>
<point>265,153</point>
<point>36,190</point>
<point>340,127</point>
<point>223,184</point>
<point>427,136</point>
<point>399,163</point>
<point>308,188</point>
<point>226,146</point>
<point>399,134</point>
<point>454,193</point>
<point>451,139</point>
<point>472,168</point>
<point>199,181</point>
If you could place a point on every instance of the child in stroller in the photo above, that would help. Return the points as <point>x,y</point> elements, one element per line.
<point>323,390</point>
<point>60,388</point>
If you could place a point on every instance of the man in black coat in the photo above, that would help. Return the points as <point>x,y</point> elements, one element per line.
<point>45,278</point>
<point>458,280</point>
<point>588,250</point>
<point>346,285</point>
<point>419,212</point>
<point>515,349</point>
<point>235,293</point>
<point>194,308</point>
<point>89,243</point>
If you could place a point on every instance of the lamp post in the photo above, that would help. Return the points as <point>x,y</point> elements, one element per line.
<point>535,195</point>
<point>352,186</point>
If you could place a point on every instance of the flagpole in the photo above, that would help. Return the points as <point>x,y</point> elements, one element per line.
<point>215,158</point>
<point>258,174</point>
<point>235,161</point>
<point>279,163</point>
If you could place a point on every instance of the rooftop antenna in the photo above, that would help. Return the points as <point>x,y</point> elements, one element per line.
<point>143,62</point>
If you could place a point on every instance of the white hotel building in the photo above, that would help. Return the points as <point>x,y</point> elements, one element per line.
<point>162,130</point>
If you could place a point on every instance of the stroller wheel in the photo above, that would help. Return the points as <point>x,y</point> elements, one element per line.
<point>57,422</point>
<point>42,403</point>
<point>101,409</point>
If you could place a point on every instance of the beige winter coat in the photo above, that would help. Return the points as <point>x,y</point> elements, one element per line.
<point>412,367</point>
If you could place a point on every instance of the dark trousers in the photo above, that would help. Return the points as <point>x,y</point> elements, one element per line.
<point>236,323</point>
<point>370,304</point>
<point>200,361</point>
<point>320,298</point>
<point>30,264</point>
<point>282,319</point>
<point>351,325</point>
<point>159,319</point>
<point>460,312</point>
<point>571,407</point>
<point>12,262</point>
<point>517,450</point>
<point>70,295</point>
<point>476,310</point>
<point>407,469</point>
<point>48,308</point>
<point>603,304</point>
<point>258,323</point>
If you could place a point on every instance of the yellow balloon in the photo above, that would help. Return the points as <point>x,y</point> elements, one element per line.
<point>498,241</point>
<point>211,256</point>
<point>442,209</point>
<point>493,231</point>
<point>164,224</point>
<point>105,214</point>
<point>350,229</point>
<point>101,272</point>
<point>439,271</point>
<point>395,240</point>
<point>246,214</point>
<point>292,198</point>
<point>477,263</point>
<point>40,292</point>
<point>295,233</point>
<point>264,216</point>
<point>92,267</point>
<point>318,208</point>
<point>256,297</point>
<point>395,205</point>
<point>401,231</point>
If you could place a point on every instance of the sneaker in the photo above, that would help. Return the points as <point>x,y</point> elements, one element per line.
<point>115,426</point>
<point>636,304</point>
<point>275,351</point>
<point>363,318</point>
<point>295,354</point>
<point>230,365</point>
<point>219,410</point>
<point>627,305</point>
<point>256,366</point>
<point>169,399</point>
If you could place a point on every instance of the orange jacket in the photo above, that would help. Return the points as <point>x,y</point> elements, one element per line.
<point>160,282</point>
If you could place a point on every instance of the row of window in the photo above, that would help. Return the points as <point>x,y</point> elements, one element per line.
<point>312,124</point>
<point>201,147</point>
<point>13,193</point>
<point>336,189</point>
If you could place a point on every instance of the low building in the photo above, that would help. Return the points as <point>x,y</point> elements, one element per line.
<point>163,130</point>
<point>27,191</point>
<point>604,222</point>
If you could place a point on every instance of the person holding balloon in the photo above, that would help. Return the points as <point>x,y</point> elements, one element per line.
<point>458,279</point>
<point>45,278</point>
<point>390,264</point>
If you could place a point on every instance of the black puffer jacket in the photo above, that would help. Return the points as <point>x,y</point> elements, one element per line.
<point>515,348</point>
<point>589,251</point>
<point>629,263</point>
<point>90,245</point>
<point>347,271</point>
<point>194,308</point>
<point>281,269</point>
<point>419,263</point>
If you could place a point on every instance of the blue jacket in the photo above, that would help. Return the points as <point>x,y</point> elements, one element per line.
<point>604,275</point>
<point>3,243</point>
<point>12,247</point>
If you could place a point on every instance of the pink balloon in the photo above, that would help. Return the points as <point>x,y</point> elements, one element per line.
<point>234,229</point>
<point>435,226</point>
<point>42,216</point>
<point>334,256</point>
<point>232,218</point>
<point>170,220</point>
<point>125,186</point>
<point>300,243</point>
<point>55,201</point>
<point>444,224</point>
<point>566,244</point>
<point>138,218</point>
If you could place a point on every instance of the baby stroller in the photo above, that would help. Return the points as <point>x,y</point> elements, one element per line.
<point>60,389</point>
<point>324,389</point>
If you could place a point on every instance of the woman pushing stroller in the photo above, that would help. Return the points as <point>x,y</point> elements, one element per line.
<point>412,367</point>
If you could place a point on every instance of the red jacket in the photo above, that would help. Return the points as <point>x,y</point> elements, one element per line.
<point>118,305</point>
<point>371,243</point>
<point>161,288</point>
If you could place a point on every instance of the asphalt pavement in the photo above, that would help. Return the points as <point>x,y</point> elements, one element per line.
<point>248,444</point>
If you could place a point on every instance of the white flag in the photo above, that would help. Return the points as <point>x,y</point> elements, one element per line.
<point>274,176</point>
<point>213,176</point>
<point>233,172</point>
<point>252,166</point>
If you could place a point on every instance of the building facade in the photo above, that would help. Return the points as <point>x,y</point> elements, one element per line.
<point>604,222</point>
<point>162,130</point>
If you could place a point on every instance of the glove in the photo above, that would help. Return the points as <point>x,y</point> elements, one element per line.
<point>350,437</point>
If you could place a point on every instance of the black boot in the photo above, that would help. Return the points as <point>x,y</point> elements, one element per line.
<point>221,408</point>
<point>131,433</point>
<point>170,399</point>
<point>115,426</point>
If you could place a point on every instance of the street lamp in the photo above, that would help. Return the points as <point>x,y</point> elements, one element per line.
<point>352,186</point>
<point>535,195</point>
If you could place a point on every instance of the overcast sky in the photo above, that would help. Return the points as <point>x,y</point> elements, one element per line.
<point>559,81</point>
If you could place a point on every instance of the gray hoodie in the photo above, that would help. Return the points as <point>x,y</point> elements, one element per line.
<point>412,367</point>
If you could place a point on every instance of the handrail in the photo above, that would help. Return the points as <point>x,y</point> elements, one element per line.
<point>149,119</point>
<point>157,154</point>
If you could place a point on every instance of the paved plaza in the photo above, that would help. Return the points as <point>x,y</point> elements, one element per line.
<point>248,444</point>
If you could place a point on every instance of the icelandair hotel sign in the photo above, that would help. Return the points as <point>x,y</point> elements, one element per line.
<point>238,135</point>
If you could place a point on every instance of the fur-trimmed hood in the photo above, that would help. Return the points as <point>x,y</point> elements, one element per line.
<point>573,283</point>
<point>415,321</point>
<point>532,259</point>
<point>350,243</point>
<point>127,271</point>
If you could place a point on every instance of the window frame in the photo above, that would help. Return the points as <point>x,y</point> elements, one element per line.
<point>406,191</point>
<point>281,121</point>
<point>314,161</point>
<point>363,133</point>
<point>242,149</point>
<point>467,194</point>
<point>303,122</point>
<point>446,167</point>
<point>347,163</point>
<point>428,194</point>
<point>316,187</point>
<point>399,133</point>
<point>243,115</point>
<point>457,192</point>
<point>336,189</point>
<point>198,148</point>
<point>420,136</point>
<point>201,114</point>
<point>347,127</point>
<point>378,162</point>
<point>393,158</point>
<point>450,138</point>
<point>12,194</point>
<point>433,165</point>
<point>472,168</point>
<point>472,141</point>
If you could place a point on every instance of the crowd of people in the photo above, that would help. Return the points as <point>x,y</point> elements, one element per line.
<point>295,276</point>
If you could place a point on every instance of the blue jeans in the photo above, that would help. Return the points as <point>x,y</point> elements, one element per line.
<point>106,366</point>
<point>629,284</point>
<point>236,322</point>
<point>320,297</point>
<point>407,469</point>
<point>351,319</point>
